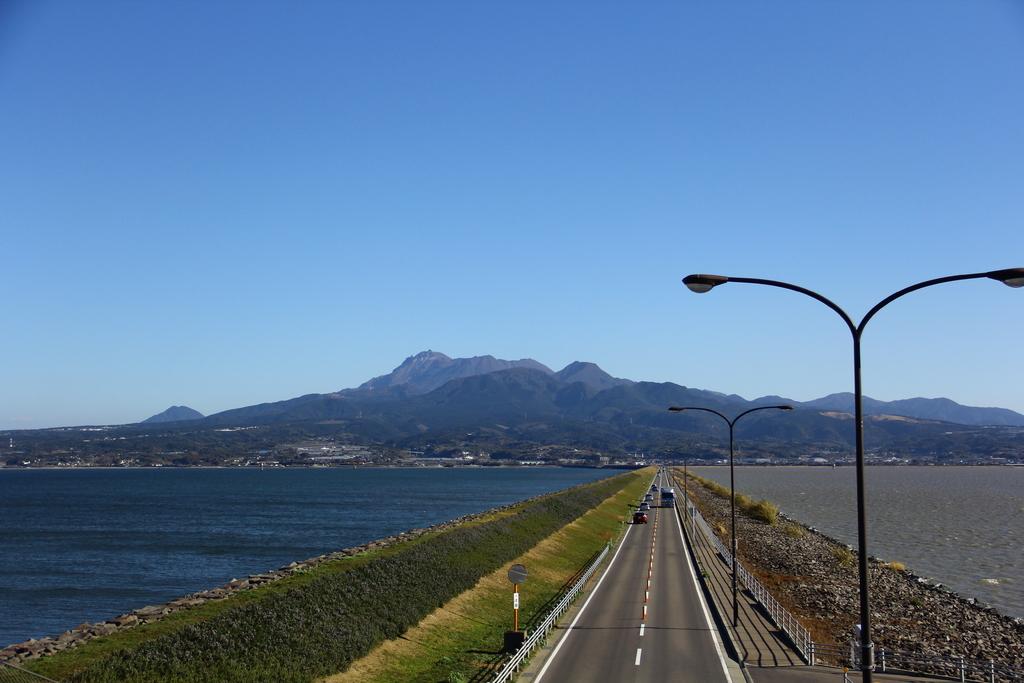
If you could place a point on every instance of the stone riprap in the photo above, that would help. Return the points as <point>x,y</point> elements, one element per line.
<point>815,577</point>
<point>33,648</point>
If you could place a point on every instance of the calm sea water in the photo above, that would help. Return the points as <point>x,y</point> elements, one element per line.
<point>86,545</point>
<point>963,526</point>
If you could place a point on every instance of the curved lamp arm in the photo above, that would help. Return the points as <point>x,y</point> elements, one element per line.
<point>732,422</point>
<point>701,283</point>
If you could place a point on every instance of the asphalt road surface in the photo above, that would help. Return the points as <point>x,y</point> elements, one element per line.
<point>612,639</point>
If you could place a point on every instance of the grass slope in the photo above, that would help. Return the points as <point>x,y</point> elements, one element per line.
<point>462,640</point>
<point>319,622</point>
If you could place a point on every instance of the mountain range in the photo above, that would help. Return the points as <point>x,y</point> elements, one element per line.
<point>431,397</point>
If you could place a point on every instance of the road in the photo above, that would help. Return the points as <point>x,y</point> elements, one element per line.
<point>614,639</point>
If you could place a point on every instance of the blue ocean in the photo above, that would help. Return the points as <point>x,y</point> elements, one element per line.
<point>88,544</point>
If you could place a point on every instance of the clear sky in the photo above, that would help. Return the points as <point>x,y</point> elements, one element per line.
<point>223,203</point>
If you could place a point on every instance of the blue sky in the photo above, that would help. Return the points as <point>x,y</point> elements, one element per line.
<point>218,204</point>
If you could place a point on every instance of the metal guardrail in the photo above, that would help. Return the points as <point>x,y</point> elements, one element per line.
<point>540,633</point>
<point>957,668</point>
<point>799,635</point>
<point>829,655</point>
<point>9,673</point>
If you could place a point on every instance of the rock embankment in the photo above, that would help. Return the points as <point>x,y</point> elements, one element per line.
<point>815,577</point>
<point>33,648</point>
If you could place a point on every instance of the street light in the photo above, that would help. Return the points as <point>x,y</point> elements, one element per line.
<point>701,283</point>
<point>686,491</point>
<point>732,482</point>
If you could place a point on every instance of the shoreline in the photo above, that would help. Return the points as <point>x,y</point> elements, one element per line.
<point>433,465</point>
<point>34,648</point>
<point>361,466</point>
<point>814,576</point>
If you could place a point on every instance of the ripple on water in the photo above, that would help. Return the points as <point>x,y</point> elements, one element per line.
<point>936,520</point>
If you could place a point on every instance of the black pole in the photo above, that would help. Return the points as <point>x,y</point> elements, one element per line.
<point>732,481</point>
<point>1012,277</point>
<point>732,506</point>
<point>867,647</point>
<point>686,491</point>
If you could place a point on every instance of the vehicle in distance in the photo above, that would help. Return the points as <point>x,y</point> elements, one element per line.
<point>639,517</point>
<point>645,506</point>
<point>668,498</point>
<point>648,498</point>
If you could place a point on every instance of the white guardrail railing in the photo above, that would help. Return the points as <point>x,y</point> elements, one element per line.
<point>957,668</point>
<point>540,633</point>
<point>799,635</point>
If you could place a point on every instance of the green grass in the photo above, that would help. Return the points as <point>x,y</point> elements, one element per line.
<point>318,622</point>
<point>64,664</point>
<point>466,635</point>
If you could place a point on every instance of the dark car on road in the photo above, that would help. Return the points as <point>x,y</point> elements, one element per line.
<point>639,517</point>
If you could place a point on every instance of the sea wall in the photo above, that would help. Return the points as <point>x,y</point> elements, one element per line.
<point>815,577</point>
<point>32,648</point>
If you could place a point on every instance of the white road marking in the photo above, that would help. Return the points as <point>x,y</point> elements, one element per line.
<point>642,627</point>
<point>704,605</point>
<point>637,662</point>
<point>607,570</point>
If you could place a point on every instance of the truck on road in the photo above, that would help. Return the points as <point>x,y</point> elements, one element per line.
<point>668,498</point>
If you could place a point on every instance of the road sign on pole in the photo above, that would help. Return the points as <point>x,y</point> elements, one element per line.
<point>517,574</point>
<point>515,607</point>
<point>514,639</point>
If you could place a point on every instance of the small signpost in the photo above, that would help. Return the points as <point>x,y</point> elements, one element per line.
<point>514,639</point>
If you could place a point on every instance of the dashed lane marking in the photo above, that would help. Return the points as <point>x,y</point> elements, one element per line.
<point>607,571</point>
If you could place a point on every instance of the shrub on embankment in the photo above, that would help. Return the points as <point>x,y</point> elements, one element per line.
<point>762,510</point>
<point>321,627</point>
<point>816,578</point>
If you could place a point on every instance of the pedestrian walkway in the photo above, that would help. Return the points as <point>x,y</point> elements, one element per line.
<point>757,640</point>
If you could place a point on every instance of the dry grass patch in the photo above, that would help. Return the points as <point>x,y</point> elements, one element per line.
<point>843,555</point>
<point>464,636</point>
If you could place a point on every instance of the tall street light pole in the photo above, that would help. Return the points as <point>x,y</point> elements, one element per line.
<point>732,482</point>
<point>686,490</point>
<point>1012,277</point>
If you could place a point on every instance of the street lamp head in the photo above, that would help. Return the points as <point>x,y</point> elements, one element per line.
<point>1011,277</point>
<point>675,409</point>
<point>701,283</point>
<point>784,407</point>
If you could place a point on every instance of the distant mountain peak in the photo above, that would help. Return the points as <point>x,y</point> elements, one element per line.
<point>589,374</point>
<point>174,414</point>
<point>428,370</point>
<point>580,365</point>
<point>427,355</point>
